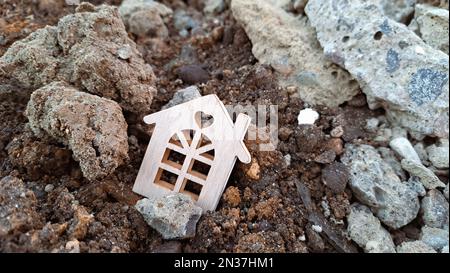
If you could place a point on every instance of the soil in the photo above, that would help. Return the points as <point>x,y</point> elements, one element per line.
<point>258,213</point>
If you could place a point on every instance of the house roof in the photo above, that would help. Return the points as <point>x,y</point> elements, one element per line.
<point>242,121</point>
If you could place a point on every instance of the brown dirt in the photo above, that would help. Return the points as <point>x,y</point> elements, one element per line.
<point>256,214</point>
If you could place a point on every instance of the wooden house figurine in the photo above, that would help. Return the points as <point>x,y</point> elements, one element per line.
<point>192,154</point>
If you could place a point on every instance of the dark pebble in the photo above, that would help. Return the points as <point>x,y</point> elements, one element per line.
<point>192,74</point>
<point>335,177</point>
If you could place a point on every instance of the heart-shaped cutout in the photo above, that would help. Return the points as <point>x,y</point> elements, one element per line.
<point>203,120</point>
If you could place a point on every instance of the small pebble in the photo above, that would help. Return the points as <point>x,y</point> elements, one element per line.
<point>307,116</point>
<point>337,132</point>
<point>124,52</point>
<point>49,187</point>
<point>316,228</point>
<point>372,124</point>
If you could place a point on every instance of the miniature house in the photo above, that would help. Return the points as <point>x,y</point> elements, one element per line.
<point>193,149</point>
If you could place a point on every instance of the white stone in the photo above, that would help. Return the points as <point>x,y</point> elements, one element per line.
<point>307,116</point>
<point>403,147</point>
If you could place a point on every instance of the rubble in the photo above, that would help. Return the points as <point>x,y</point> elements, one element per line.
<point>427,177</point>
<point>182,96</point>
<point>434,208</point>
<point>415,247</point>
<point>174,216</point>
<point>85,56</point>
<point>366,230</point>
<point>307,116</point>
<point>438,156</point>
<point>289,45</point>
<point>375,184</point>
<point>434,237</point>
<point>394,67</point>
<point>93,127</point>
<point>431,24</point>
<point>404,148</point>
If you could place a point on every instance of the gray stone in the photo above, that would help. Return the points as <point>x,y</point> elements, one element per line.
<point>427,177</point>
<point>439,156</point>
<point>417,186</point>
<point>434,237</point>
<point>445,249</point>
<point>398,10</point>
<point>446,191</point>
<point>431,23</point>
<point>84,50</point>
<point>404,149</point>
<point>394,67</point>
<point>372,124</point>
<point>389,157</point>
<point>182,96</point>
<point>214,6</point>
<point>422,153</point>
<point>145,17</point>
<point>366,230</point>
<point>375,184</point>
<point>182,21</point>
<point>93,127</point>
<point>289,45</point>
<point>435,210</point>
<point>174,216</point>
<point>414,247</point>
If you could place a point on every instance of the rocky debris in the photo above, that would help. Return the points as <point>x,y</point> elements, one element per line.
<point>434,208</point>
<point>390,158</point>
<point>232,196</point>
<point>415,247</point>
<point>182,96</point>
<point>254,171</point>
<point>145,17</point>
<point>438,156</point>
<point>81,221</point>
<point>427,177</point>
<point>17,207</point>
<point>214,6</point>
<point>335,176</point>
<point>375,184</point>
<point>174,216</point>
<point>431,24</point>
<point>307,116</point>
<point>192,74</point>
<point>446,191</point>
<point>184,23</point>
<point>394,67</point>
<point>445,249</point>
<point>93,127</point>
<point>326,157</point>
<point>415,185</point>
<point>422,153</point>
<point>398,10</point>
<point>289,45</point>
<point>434,237</point>
<point>366,230</point>
<point>403,148</point>
<point>85,50</point>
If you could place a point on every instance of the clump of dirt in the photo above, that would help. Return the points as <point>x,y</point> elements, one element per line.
<point>258,213</point>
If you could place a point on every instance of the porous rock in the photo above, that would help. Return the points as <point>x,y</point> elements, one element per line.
<point>438,156</point>
<point>145,17</point>
<point>394,67</point>
<point>434,237</point>
<point>84,50</point>
<point>431,23</point>
<point>375,184</point>
<point>289,45</point>
<point>173,216</point>
<point>427,177</point>
<point>414,247</point>
<point>182,96</point>
<point>366,230</point>
<point>435,210</point>
<point>94,128</point>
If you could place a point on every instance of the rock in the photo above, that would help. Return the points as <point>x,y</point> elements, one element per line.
<point>289,45</point>
<point>18,207</point>
<point>316,228</point>
<point>145,17</point>
<point>232,196</point>
<point>389,157</point>
<point>398,10</point>
<point>394,67</point>
<point>417,186</point>
<point>184,22</point>
<point>73,246</point>
<point>192,74</point>
<point>214,6</point>
<point>307,116</point>
<point>182,96</point>
<point>335,176</point>
<point>414,247</point>
<point>421,152</point>
<point>446,191</point>
<point>80,223</point>
<point>85,49</point>
<point>434,237</point>
<point>445,249</point>
<point>427,177</point>
<point>174,216</point>
<point>431,24</point>
<point>326,157</point>
<point>375,184</point>
<point>94,128</point>
<point>439,156</point>
<point>49,187</point>
<point>254,170</point>
<point>366,230</point>
<point>337,132</point>
<point>435,210</point>
<point>403,148</point>
<point>372,124</point>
